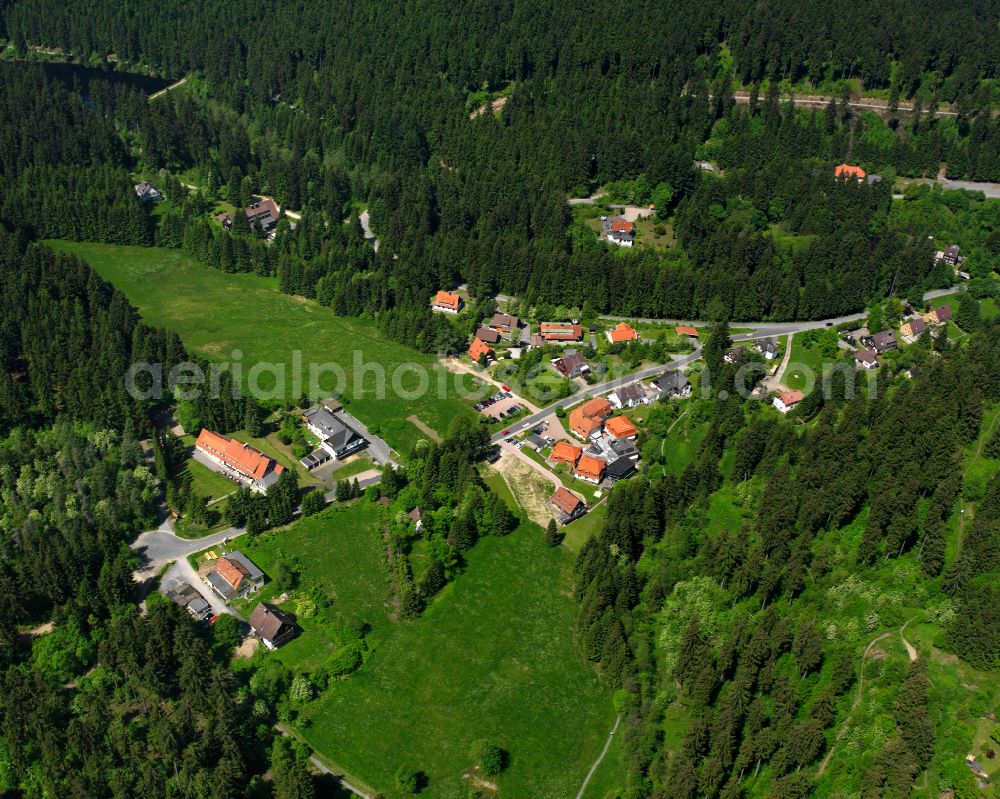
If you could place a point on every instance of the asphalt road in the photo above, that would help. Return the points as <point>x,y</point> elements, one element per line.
<point>160,546</point>
<point>759,330</point>
<point>592,391</point>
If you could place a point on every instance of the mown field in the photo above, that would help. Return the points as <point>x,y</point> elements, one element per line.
<point>492,657</point>
<point>217,313</point>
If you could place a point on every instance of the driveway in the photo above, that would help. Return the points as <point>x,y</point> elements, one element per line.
<point>181,572</point>
<point>365,220</point>
<point>455,365</point>
<point>380,452</point>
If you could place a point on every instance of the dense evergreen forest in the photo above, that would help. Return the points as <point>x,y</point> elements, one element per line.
<point>330,109</point>
<point>317,107</point>
<point>741,629</point>
<point>76,486</point>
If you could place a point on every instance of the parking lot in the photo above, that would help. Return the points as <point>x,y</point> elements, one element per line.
<point>500,403</point>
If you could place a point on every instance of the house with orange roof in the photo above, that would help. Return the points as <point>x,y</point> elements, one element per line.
<point>686,330</point>
<point>447,302</point>
<point>590,469</point>
<point>560,331</point>
<point>567,505</point>
<point>787,400</point>
<point>622,332</point>
<point>618,231</point>
<point>564,452</point>
<point>620,427</point>
<point>586,420</point>
<point>239,460</point>
<point>234,576</point>
<point>848,171</point>
<point>479,349</point>
<point>938,316</point>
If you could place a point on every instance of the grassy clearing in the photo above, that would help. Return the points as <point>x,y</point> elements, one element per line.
<point>805,367</point>
<point>579,532</point>
<point>337,557</point>
<point>216,313</point>
<point>499,486</point>
<point>493,657</point>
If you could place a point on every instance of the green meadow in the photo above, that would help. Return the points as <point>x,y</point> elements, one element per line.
<point>216,313</point>
<point>492,657</point>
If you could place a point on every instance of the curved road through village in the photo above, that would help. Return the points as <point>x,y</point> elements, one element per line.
<point>759,330</point>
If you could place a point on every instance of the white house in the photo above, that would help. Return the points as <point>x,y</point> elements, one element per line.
<point>787,400</point>
<point>337,438</point>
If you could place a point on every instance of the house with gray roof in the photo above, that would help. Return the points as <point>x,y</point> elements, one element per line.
<point>336,437</point>
<point>189,598</point>
<point>629,396</point>
<point>671,384</point>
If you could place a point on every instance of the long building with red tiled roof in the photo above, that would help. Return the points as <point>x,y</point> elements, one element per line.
<point>251,465</point>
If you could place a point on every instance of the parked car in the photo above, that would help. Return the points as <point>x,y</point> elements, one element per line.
<point>505,388</point>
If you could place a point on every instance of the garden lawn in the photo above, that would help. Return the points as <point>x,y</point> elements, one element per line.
<point>216,313</point>
<point>577,533</point>
<point>492,657</point>
<point>337,555</point>
<point>805,367</point>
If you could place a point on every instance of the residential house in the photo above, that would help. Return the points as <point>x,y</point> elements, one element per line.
<point>951,255</point>
<point>787,400</point>
<point>560,331</point>
<point>488,335</point>
<point>567,505</point>
<point>686,330</point>
<point>189,598</point>
<point>847,171</point>
<point>536,441</point>
<point>590,469</point>
<point>479,350</point>
<point>866,359</point>
<point>620,469</point>
<point>564,452</point>
<point>912,328</point>
<point>585,420</point>
<point>618,231</point>
<point>508,326</point>
<point>272,625</point>
<point>234,576</point>
<point>938,316</point>
<point>240,460</point>
<point>336,437</point>
<point>623,448</point>
<point>147,192</point>
<point>571,365</point>
<point>912,372</point>
<point>262,213</point>
<point>856,336</point>
<point>768,347</point>
<point>671,384</point>
<point>447,302</point>
<point>735,356</point>
<point>629,396</point>
<point>620,427</point>
<point>622,332</point>
<point>417,517</point>
<point>536,340</point>
<point>884,341</point>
